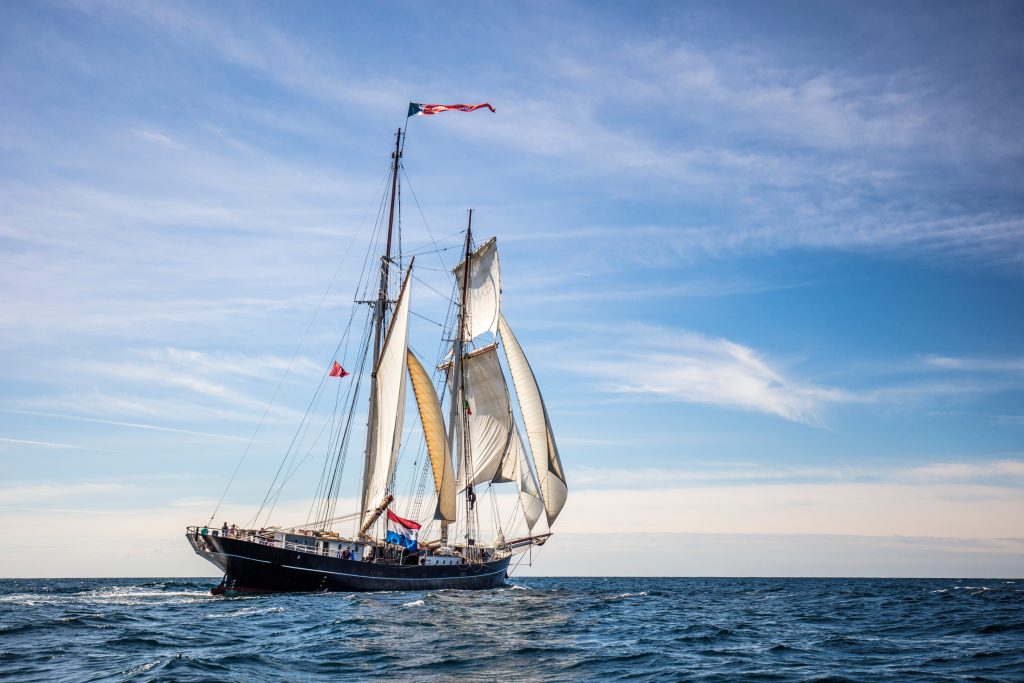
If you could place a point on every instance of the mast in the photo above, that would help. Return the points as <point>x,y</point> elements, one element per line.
<point>379,309</point>
<point>459,398</point>
<point>385,261</point>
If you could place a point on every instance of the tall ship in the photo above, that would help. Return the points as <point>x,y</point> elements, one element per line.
<point>429,536</point>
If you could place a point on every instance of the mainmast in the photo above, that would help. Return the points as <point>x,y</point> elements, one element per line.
<point>459,394</point>
<point>379,309</point>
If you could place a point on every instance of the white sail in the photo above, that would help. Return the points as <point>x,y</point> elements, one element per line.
<point>529,491</point>
<point>389,405</point>
<point>498,452</point>
<point>434,435</point>
<point>490,414</point>
<point>483,290</point>
<point>538,427</point>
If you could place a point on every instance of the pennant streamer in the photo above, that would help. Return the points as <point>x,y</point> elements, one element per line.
<point>416,109</point>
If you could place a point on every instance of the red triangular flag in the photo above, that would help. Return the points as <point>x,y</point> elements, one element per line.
<point>338,371</point>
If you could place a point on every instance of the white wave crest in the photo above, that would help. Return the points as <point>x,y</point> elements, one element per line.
<point>623,596</point>
<point>244,612</point>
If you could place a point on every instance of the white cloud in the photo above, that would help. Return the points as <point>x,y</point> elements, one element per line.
<point>680,365</point>
<point>210,375</point>
<point>260,47</point>
<point>690,367</point>
<point>44,493</point>
<point>154,137</point>
<point>977,364</point>
<point>52,444</point>
<point>129,404</point>
<point>1002,470</point>
<point>117,423</point>
<point>819,141</point>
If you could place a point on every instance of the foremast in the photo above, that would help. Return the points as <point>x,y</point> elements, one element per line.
<point>367,516</point>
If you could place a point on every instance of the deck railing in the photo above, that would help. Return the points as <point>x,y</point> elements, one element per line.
<point>267,539</point>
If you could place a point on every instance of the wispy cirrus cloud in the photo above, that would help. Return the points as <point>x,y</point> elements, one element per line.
<point>32,493</point>
<point>975,364</point>
<point>119,423</point>
<point>1005,472</point>
<point>259,46</point>
<point>670,364</point>
<point>180,384</point>
<point>52,444</point>
<point>678,365</point>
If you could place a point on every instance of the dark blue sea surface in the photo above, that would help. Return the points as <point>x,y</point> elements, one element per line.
<point>543,629</point>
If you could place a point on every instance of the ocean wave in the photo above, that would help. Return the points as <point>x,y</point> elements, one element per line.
<point>554,629</point>
<point>624,596</point>
<point>141,668</point>
<point>245,612</point>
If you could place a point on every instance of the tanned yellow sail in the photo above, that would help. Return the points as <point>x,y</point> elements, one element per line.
<point>437,441</point>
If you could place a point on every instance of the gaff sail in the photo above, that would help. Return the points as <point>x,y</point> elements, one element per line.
<point>389,405</point>
<point>437,442</point>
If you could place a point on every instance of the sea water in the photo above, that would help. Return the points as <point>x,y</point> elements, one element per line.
<point>542,629</point>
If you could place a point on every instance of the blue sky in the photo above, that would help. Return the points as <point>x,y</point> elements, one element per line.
<point>766,261</point>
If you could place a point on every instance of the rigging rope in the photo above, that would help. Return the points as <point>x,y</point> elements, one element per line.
<point>317,393</point>
<point>437,250</point>
<point>291,361</point>
<point>304,426</point>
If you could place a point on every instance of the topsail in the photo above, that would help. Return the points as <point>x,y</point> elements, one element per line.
<point>483,291</point>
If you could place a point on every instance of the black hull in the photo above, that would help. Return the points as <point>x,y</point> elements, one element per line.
<point>252,567</point>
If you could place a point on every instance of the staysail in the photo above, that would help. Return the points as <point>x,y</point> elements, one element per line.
<point>389,405</point>
<point>489,414</point>
<point>553,488</point>
<point>437,442</point>
<point>483,290</point>
<point>529,492</point>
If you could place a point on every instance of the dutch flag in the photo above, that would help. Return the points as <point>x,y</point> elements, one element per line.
<point>402,531</point>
